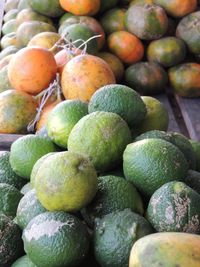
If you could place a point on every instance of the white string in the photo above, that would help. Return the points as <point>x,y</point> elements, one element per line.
<point>54,86</point>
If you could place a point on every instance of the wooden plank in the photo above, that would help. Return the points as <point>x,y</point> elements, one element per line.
<point>190,109</point>
<point>7,139</point>
<point>173,125</point>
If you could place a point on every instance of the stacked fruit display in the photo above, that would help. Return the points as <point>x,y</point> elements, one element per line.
<point>143,44</point>
<point>101,183</point>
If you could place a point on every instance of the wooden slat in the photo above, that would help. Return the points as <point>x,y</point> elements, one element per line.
<point>7,139</point>
<point>173,125</point>
<point>190,109</point>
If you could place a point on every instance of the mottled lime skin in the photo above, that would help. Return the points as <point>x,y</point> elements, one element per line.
<point>9,199</point>
<point>113,20</point>
<point>24,261</point>
<point>23,4</point>
<point>176,139</point>
<point>66,181</point>
<point>174,207</point>
<point>111,197</point>
<point>115,234</point>
<point>7,175</point>
<point>147,22</point>
<point>56,239</point>
<point>119,99</point>
<point>167,51</point>
<point>11,243</point>
<point>26,150</point>
<point>188,30</point>
<point>50,8</point>
<point>167,249</point>
<point>150,163</point>
<point>185,79</point>
<point>63,118</point>
<point>105,143</point>
<point>147,78</point>
<point>28,208</point>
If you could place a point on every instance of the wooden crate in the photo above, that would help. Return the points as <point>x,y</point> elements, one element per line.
<point>183,112</point>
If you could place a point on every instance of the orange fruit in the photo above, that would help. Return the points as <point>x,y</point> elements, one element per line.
<point>81,7</point>
<point>32,69</point>
<point>126,46</point>
<point>83,75</point>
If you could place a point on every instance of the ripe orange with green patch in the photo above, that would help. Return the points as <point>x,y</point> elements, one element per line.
<point>185,79</point>
<point>81,7</point>
<point>177,8</point>
<point>113,20</point>
<point>126,46</point>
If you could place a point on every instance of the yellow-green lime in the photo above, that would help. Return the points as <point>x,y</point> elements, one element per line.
<point>102,136</point>
<point>36,167</point>
<point>66,181</point>
<point>63,118</point>
<point>157,117</point>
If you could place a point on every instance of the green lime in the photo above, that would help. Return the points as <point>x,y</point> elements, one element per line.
<point>9,199</point>
<point>176,139</point>
<point>28,208</point>
<point>10,242</point>
<point>102,136</point>
<point>157,117</point>
<point>56,239</point>
<point>7,175</point>
<point>150,163</point>
<point>115,234</point>
<point>114,194</point>
<point>24,261</point>
<point>36,167</point>
<point>63,118</point>
<point>26,150</point>
<point>174,207</point>
<point>119,99</point>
